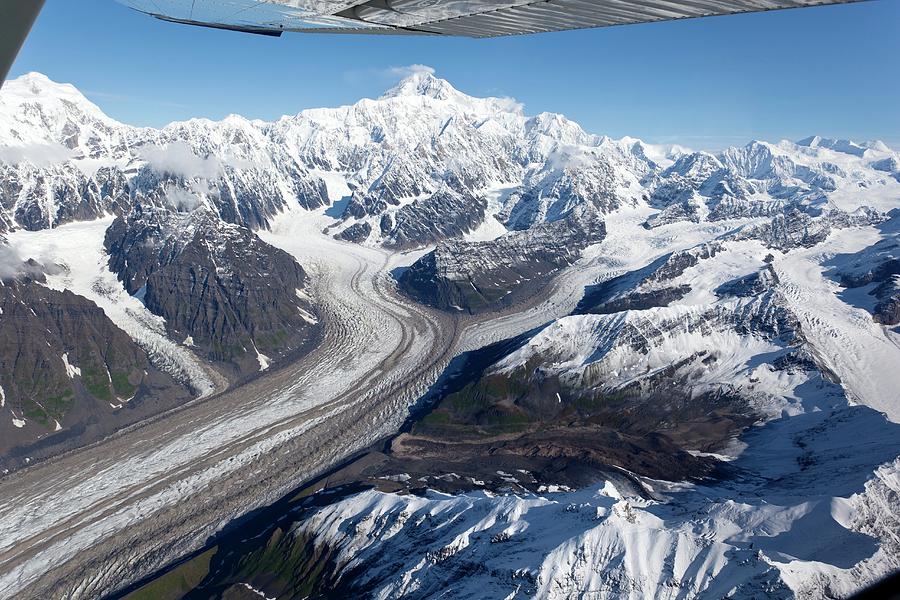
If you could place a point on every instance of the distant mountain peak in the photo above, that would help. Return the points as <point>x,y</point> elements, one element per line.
<point>845,146</point>
<point>424,83</point>
<point>35,85</point>
<point>37,88</point>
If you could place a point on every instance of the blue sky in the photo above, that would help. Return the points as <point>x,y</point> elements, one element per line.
<point>704,83</point>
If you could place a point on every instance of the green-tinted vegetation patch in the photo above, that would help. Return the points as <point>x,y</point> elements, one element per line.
<point>435,418</point>
<point>122,386</point>
<point>226,352</point>
<point>57,406</point>
<point>486,407</point>
<point>96,382</point>
<point>292,565</point>
<point>35,413</point>
<point>271,339</point>
<point>177,582</point>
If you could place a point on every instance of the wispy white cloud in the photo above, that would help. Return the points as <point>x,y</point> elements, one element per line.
<point>177,158</point>
<point>386,75</point>
<point>182,200</point>
<point>40,155</point>
<point>12,264</point>
<point>408,70</point>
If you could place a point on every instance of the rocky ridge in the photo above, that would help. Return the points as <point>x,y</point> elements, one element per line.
<point>232,297</point>
<point>476,277</point>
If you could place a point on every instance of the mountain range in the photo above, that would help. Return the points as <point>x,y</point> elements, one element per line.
<point>710,335</point>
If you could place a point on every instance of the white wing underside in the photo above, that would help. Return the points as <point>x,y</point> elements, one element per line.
<point>470,18</point>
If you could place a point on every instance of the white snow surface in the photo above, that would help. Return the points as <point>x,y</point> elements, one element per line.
<point>783,531</point>
<point>71,370</point>
<point>78,249</point>
<point>813,512</point>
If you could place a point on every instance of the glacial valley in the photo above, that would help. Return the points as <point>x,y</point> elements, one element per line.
<point>428,344</point>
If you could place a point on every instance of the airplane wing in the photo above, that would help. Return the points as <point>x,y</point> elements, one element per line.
<point>470,18</point>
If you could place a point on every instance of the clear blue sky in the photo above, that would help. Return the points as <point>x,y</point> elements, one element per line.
<point>705,83</point>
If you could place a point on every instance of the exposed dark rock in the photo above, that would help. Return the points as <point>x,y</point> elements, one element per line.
<point>386,224</point>
<point>798,229</point>
<point>679,262</point>
<point>247,197</point>
<point>887,312</point>
<point>751,285</point>
<point>883,272</point>
<point>646,287</point>
<point>356,209</point>
<point>552,194</point>
<point>445,214</point>
<point>41,198</point>
<point>530,414</point>
<point>358,233</point>
<point>483,276</point>
<point>888,165</point>
<point>65,367</point>
<point>729,207</point>
<point>642,300</point>
<point>886,275</point>
<point>217,283</point>
<point>678,183</point>
<point>674,213</point>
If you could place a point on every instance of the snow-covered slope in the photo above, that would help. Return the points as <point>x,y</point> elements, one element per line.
<point>788,528</point>
<point>765,317</point>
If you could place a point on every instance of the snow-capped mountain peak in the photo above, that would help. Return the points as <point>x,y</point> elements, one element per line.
<point>424,83</point>
<point>37,88</point>
<point>844,146</point>
<point>38,113</point>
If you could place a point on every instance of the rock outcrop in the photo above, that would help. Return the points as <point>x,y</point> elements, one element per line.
<point>477,277</point>
<point>228,294</point>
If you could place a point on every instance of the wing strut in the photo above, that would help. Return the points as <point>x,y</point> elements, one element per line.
<point>16,19</point>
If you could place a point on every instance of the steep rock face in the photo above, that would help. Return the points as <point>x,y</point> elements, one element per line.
<point>398,157</point>
<point>64,364</point>
<point>483,276</point>
<point>48,121</point>
<point>497,491</point>
<point>357,233</point>
<point>649,287</point>
<point>445,214</point>
<point>685,211</point>
<point>761,180</point>
<point>750,285</point>
<point>61,160</point>
<point>689,174</point>
<point>41,198</point>
<point>793,228</point>
<point>232,296</point>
